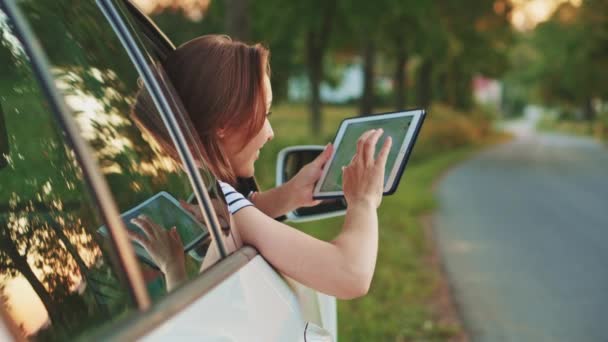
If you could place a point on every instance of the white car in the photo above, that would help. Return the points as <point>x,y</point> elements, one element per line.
<point>73,158</point>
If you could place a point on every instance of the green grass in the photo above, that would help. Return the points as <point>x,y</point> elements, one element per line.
<point>398,306</point>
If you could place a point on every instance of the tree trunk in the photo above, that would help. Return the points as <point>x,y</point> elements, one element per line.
<point>369,59</point>
<point>424,83</point>
<point>588,110</point>
<point>315,73</point>
<point>464,91</point>
<point>442,87</point>
<point>237,21</point>
<point>316,45</point>
<point>400,76</point>
<point>459,87</point>
<point>84,270</point>
<point>22,266</point>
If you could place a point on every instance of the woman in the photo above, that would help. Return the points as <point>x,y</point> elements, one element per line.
<point>226,90</point>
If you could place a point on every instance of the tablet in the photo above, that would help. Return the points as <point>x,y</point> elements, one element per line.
<point>164,210</point>
<point>402,127</point>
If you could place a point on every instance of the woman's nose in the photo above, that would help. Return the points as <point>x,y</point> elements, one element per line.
<point>269,131</point>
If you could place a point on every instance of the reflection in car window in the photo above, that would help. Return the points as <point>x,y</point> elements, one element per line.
<point>101,87</point>
<point>149,42</point>
<point>55,274</point>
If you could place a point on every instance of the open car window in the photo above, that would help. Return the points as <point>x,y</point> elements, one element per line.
<point>154,45</point>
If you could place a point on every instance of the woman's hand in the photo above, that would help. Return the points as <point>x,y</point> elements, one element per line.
<point>193,209</point>
<point>303,183</point>
<point>164,246</point>
<point>363,178</point>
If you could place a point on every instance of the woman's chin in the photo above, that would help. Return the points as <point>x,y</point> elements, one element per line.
<point>247,173</point>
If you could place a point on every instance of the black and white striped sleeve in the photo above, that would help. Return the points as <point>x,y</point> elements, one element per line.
<point>236,201</point>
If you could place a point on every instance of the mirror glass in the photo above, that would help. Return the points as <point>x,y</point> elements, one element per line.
<point>292,162</point>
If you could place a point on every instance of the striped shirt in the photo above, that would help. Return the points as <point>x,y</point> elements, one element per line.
<point>236,201</point>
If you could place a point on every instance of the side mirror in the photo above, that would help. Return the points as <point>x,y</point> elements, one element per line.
<point>289,162</point>
<point>4,149</point>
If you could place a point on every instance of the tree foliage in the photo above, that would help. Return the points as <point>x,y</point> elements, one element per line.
<point>572,51</point>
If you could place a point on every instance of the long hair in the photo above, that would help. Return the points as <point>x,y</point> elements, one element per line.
<point>221,84</point>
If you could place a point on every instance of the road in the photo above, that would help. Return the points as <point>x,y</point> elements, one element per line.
<point>523,232</point>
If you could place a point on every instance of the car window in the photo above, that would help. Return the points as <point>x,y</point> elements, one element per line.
<point>57,280</point>
<point>149,39</point>
<point>113,112</point>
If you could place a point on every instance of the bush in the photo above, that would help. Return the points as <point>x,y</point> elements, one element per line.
<point>446,129</point>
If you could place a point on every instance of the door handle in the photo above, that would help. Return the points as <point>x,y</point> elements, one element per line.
<point>314,333</point>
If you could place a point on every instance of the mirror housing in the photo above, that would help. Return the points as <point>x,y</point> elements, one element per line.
<point>289,161</point>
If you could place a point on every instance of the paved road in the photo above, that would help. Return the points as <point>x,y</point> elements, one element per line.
<point>523,231</point>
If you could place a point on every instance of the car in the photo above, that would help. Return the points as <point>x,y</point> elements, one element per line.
<point>77,79</point>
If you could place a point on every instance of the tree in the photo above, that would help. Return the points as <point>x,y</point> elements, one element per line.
<point>404,25</point>
<point>237,20</point>
<point>478,35</point>
<point>311,25</point>
<point>317,33</point>
<point>573,50</point>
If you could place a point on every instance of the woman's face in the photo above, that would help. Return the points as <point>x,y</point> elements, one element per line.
<point>242,159</point>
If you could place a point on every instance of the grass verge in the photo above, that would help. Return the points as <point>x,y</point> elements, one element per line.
<point>398,306</point>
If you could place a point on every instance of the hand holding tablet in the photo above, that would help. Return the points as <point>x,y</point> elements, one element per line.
<point>402,127</point>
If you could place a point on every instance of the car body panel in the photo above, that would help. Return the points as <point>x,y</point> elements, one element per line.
<point>254,304</point>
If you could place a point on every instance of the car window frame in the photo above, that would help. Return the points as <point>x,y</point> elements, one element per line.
<point>152,32</point>
<point>158,96</point>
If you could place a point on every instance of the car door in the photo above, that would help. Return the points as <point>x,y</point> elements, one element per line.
<point>87,83</point>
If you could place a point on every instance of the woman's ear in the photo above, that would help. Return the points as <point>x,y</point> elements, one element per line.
<point>221,133</point>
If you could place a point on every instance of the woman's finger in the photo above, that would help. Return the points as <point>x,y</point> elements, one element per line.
<point>361,143</point>
<point>383,154</point>
<point>187,206</point>
<point>176,235</point>
<point>144,225</point>
<point>370,147</point>
<point>142,240</point>
<point>324,156</point>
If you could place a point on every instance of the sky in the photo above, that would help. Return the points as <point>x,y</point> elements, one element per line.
<point>528,13</point>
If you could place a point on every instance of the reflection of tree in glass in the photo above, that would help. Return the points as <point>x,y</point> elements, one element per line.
<point>50,244</point>
<point>100,85</point>
<point>47,227</point>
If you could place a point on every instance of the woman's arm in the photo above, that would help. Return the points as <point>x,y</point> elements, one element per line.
<point>296,193</point>
<point>343,267</point>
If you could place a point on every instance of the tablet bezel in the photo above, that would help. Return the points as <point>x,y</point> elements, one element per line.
<point>405,149</point>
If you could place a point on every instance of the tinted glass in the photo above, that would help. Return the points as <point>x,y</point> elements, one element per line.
<point>55,274</point>
<point>118,118</point>
<point>155,48</point>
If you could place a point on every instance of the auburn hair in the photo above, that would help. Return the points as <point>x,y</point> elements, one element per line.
<point>221,84</point>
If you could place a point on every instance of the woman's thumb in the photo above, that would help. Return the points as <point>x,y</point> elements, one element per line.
<point>324,156</point>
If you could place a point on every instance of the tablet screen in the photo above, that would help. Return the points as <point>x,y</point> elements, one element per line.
<point>164,210</point>
<point>396,125</point>
<point>167,213</point>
